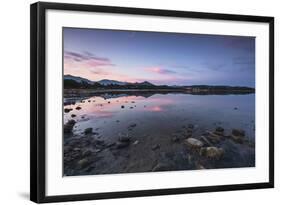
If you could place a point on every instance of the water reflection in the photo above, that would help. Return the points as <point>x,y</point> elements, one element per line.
<point>176,109</point>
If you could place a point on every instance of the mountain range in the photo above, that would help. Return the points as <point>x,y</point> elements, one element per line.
<point>104,82</point>
<point>75,82</point>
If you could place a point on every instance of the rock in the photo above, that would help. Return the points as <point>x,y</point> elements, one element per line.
<point>124,138</point>
<point>131,107</point>
<point>212,152</point>
<point>108,102</point>
<point>99,142</point>
<point>214,137</point>
<point>67,149</point>
<point>155,147</point>
<point>238,132</point>
<point>110,144</point>
<point>67,128</point>
<point>120,145</point>
<point>122,106</point>
<point>66,110</point>
<point>161,167</point>
<point>133,125</point>
<point>219,131</point>
<point>133,101</point>
<point>237,139</point>
<point>235,108</point>
<point>193,143</point>
<point>88,130</point>
<point>238,136</point>
<point>73,115</point>
<point>78,108</point>
<point>77,149</point>
<point>175,139</point>
<point>205,140</point>
<point>83,162</point>
<point>136,142</point>
<point>86,152</point>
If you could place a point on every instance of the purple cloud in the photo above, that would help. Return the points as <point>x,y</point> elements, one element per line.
<point>87,57</point>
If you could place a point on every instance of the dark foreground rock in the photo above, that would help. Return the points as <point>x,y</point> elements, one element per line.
<point>67,128</point>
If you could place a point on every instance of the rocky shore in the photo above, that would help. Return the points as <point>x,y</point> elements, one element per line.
<point>187,149</point>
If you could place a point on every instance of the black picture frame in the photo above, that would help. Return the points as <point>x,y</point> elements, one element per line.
<point>38,101</point>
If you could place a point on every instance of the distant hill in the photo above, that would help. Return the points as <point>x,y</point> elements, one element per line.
<point>111,82</point>
<point>77,79</point>
<point>79,82</point>
<point>75,82</point>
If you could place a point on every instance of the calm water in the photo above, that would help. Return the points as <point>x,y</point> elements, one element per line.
<point>162,114</point>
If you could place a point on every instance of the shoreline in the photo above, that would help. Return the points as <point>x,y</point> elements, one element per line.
<point>68,92</point>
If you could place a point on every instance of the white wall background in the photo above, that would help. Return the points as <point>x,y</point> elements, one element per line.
<point>14,102</point>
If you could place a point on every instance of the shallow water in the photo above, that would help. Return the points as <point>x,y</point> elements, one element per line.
<point>163,114</point>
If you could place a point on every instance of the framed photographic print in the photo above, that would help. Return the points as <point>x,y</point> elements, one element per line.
<point>129,102</point>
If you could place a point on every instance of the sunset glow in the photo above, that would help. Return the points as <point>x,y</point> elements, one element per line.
<point>160,58</point>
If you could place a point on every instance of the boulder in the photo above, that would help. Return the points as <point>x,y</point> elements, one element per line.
<point>193,143</point>
<point>212,152</point>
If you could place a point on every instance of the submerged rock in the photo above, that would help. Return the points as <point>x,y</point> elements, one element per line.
<point>83,162</point>
<point>214,137</point>
<point>123,144</point>
<point>88,130</point>
<point>238,132</point>
<point>219,131</point>
<point>124,138</point>
<point>66,110</point>
<point>193,143</point>
<point>212,152</point>
<point>155,147</point>
<point>86,152</point>
<point>175,138</point>
<point>67,128</point>
<point>238,135</point>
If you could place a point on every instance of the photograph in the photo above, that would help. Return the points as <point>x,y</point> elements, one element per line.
<point>143,101</point>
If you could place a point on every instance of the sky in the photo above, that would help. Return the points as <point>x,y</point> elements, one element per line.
<point>159,57</point>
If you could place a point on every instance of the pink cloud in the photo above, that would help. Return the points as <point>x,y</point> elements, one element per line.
<point>159,70</point>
